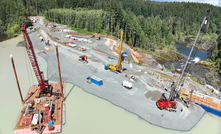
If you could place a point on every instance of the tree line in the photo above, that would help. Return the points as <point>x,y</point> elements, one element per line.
<point>146,24</point>
<point>136,16</point>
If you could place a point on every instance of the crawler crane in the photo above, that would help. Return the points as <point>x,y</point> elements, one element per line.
<point>163,102</point>
<point>45,88</point>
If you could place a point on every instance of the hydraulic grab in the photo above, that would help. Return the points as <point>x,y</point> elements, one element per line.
<point>163,102</point>
<point>43,84</point>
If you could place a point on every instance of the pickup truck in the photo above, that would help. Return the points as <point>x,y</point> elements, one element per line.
<point>127,84</point>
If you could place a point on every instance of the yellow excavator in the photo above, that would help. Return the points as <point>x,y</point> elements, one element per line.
<point>93,35</point>
<point>117,66</point>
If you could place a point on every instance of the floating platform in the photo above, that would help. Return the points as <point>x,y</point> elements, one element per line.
<point>211,110</point>
<point>209,104</point>
<point>24,122</point>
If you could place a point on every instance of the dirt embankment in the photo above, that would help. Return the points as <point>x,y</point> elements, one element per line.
<point>138,57</point>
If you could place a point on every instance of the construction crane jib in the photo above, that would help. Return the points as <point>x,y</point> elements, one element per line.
<point>31,54</point>
<point>179,83</point>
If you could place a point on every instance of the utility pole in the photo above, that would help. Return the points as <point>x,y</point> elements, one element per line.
<point>62,95</point>
<point>22,101</point>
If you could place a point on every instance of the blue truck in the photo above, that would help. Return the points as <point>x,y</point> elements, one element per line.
<point>96,80</point>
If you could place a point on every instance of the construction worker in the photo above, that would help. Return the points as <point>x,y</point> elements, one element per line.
<point>181,109</point>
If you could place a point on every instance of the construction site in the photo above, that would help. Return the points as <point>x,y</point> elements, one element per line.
<point>42,108</point>
<point>105,67</point>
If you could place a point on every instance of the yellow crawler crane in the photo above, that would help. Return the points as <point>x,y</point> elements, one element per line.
<point>117,66</point>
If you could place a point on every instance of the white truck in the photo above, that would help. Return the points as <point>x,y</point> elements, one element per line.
<point>127,84</point>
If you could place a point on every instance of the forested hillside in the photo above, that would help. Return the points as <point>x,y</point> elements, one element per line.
<point>143,21</point>
<point>146,24</point>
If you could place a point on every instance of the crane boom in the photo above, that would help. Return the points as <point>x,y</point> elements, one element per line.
<point>179,83</point>
<point>31,54</point>
<point>163,102</point>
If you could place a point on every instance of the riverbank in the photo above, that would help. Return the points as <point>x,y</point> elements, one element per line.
<point>11,38</point>
<point>202,45</point>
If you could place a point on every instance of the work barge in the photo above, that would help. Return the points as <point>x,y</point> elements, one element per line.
<point>49,108</point>
<point>41,111</point>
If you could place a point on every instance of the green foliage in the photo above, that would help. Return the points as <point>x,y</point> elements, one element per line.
<point>79,30</point>
<point>172,68</point>
<point>138,63</point>
<point>13,30</point>
<point>146,24</point>
<point>196,80</point>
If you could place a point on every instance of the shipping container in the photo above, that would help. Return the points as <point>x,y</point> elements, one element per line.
<point>96,80</point>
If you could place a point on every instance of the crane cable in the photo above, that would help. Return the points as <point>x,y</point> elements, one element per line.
<point>178,85</point>
<point>27,67</point>
<point>193,55</point>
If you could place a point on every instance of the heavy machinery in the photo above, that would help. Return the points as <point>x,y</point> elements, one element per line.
<point>83,58</point>
<point>99,37</point>
<point>50,126</point>
<point>93,35</point>
<point>45,88</point>
<point>163,102</point>
<point>53,26</point>
<point>121,56</point>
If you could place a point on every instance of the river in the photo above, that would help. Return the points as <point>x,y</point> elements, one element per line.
<point>85,113</point>
<point>183,49</point>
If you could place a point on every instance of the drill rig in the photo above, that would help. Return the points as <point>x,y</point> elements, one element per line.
<point>163,102</point>
<point>44,87</point>
<point>122,55</point>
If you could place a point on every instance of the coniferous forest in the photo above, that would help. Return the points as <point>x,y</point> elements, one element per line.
<point>147,24</point>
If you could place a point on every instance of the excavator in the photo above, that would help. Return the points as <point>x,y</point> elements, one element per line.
<point>45,88</point>
<point>122,55</point>
<point>170,103</point>
<point>83,58</point>
<point>95,34</point>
